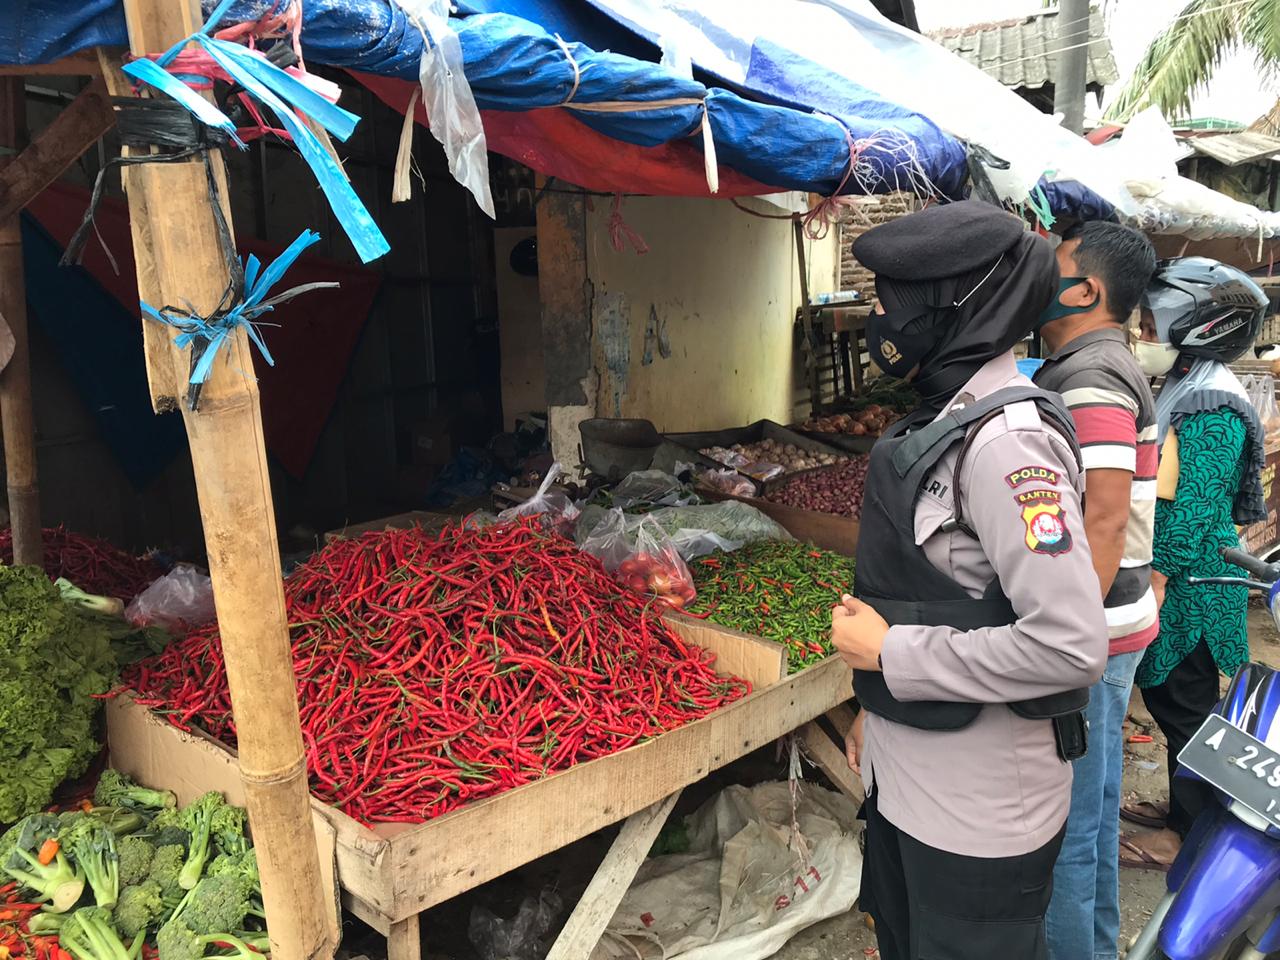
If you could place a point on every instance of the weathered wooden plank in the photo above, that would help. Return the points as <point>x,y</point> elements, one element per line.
<point>16,416</point>
<point>587,923</point>
<point>832,761</point>
<point>78,127</point>
<point>156,339</point>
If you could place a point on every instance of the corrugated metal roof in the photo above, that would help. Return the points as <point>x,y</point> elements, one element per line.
<point>1236,148</point>
<point>1018,53</point>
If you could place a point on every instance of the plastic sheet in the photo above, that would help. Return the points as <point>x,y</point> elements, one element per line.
<point>554,506</point>
<point>182,598</point>
<point>698,529</point>
<point>519,938</point>
<point>451,107</point>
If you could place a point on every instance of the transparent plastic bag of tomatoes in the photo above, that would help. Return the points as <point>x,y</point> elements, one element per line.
<point>644,558</point>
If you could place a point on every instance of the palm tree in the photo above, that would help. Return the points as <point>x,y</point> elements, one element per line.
<point>1182,59</point>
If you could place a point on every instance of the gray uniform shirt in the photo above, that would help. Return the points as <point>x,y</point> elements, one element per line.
<point>997,787</point>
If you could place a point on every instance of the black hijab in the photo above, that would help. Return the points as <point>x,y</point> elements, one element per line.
<point>960,284</point>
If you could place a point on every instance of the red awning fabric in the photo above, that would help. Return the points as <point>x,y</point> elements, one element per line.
<point>553,142</point>
<point>312,345</point>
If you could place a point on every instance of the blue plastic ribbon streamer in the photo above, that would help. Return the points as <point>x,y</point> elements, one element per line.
<point>209,335</point>
<point>281,92</point>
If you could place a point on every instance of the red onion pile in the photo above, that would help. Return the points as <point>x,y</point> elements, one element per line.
<point>836,490</point>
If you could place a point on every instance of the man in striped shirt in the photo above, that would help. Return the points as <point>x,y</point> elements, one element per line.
<point>1105,268</point>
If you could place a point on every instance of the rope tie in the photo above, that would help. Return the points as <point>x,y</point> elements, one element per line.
<point>710,166</point>
<point>577,71</point>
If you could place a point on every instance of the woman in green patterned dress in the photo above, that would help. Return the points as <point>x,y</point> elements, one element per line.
<point>1209,482</point>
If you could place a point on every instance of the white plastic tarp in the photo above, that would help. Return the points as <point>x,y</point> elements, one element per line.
<point>851,38</point>
<point>747,884</point>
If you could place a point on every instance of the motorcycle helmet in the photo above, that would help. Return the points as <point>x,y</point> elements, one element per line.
<point>1205,309</point>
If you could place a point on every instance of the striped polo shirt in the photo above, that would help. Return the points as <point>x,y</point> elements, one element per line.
<point>1115,418</point>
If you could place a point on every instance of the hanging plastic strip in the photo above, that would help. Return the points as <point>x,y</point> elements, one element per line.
<point>206,336</point>
<point>287,97</point>
<point>451,107</point>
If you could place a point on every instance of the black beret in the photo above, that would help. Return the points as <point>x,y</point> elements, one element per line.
<point>944,240</point>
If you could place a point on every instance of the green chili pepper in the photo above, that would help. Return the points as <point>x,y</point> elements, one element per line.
<point>782,591</point>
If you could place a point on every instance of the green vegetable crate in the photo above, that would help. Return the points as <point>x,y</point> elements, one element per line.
<point>389,875</point>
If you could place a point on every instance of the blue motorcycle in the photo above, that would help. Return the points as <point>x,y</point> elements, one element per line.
<point>1223,899</point>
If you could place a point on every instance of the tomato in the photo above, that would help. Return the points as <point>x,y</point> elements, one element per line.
<point>627,567</point>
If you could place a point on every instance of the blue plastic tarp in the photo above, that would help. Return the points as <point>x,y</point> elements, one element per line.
<point>788,123</point>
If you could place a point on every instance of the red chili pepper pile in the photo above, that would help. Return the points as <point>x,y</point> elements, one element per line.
<point>94,566</point>
<point>437,670</point>
<point>15,941</point>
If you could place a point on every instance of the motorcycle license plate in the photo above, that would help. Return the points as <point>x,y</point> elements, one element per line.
<point>1241,766</point>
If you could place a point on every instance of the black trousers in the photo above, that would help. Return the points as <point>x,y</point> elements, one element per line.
<point>1179,706</point>
<point>932,905</point>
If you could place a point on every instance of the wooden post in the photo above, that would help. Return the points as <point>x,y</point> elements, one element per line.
<point>810,353</point>
<point>229,456</point>
<point>15,381</point>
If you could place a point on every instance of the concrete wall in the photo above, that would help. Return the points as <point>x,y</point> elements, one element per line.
<point>697,333</point>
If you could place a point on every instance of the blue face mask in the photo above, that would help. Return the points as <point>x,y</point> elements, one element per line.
<point>1056,309</point>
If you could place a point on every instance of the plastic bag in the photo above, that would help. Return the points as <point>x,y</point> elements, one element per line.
<point>651,487</point>
<point>730,458</point>
<point>519,938</point>
<point>729,482</point>
<point>451,107</point>
<point>182,598</point>
<point>649,563</point>
<point>698,529</point>
<point>763,471</point>
<point>559,513</point>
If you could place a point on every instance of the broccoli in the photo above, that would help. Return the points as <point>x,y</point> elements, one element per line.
<point>93,847</point>
<point>117,790</point>
<point>56,883</point>
<point>139,907</point>
<point>197,819</point>
<point>89,935</point>
<point>244,866</point>
<point>166,865</point>
<point>228,828</point>
<point>135,855</point>
<point>177,941</point>
<point>217,904</point>
<point>119,820</point>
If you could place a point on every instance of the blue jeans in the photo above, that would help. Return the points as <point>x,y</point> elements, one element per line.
<point>1083,922</point>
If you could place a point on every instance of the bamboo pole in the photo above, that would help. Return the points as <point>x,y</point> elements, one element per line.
<point>15,381</point>
<point>229,456</point>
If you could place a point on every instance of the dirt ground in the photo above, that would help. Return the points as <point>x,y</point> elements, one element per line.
<point>1145,778</point>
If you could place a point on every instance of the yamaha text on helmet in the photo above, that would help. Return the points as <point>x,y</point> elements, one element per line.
<point>1204,308</point>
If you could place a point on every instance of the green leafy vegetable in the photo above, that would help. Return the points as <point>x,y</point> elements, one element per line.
<point>53,662</point>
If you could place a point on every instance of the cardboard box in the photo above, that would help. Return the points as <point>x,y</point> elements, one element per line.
<point>431,442</point>
<point>430,522</point>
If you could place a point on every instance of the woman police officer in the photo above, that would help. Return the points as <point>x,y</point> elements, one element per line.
<point>979,624</point>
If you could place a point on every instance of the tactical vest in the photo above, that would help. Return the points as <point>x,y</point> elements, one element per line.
<point>894,576</point>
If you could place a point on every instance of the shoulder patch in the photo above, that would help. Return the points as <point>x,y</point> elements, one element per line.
<point>1024,415</point>
<point>1046,522</point>
<point>1032,473</point>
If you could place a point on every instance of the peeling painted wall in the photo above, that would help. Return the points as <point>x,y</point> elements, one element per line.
<point>698,332</point>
